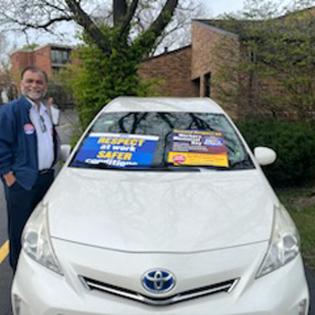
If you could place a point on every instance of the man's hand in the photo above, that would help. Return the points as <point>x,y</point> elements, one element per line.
<point>9,179</point>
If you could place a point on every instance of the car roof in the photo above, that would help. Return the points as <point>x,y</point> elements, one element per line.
<point>163,104</point>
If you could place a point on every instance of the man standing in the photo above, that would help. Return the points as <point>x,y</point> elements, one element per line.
<point>28,151</point>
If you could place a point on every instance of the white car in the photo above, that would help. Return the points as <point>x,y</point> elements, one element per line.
<point>161,209</point>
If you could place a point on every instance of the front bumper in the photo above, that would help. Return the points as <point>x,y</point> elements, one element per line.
<point>39,291</point>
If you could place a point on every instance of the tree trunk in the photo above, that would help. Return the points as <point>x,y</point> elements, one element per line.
<point>119,11</point>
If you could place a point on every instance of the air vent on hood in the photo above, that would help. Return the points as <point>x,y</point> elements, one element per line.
<point>226,286</point>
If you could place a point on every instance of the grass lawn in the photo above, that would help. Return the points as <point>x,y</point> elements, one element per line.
<point>300,202</point>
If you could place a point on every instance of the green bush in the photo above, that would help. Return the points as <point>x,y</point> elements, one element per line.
<point>294,143</point>
<point>94,79</point>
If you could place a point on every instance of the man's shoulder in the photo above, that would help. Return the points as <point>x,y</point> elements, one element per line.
<point>7,108</point>
<point>14,106</point>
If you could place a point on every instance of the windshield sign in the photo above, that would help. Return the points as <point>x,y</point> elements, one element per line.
<point>119,150</point>
<point>196,147</point>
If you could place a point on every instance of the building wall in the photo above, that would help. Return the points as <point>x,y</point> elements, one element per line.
<point>207,45</point>
<point>172,71</point>
<point>20,60</point>
<point>213,52</point>
<point>203,41</point>
<point>42,59</point>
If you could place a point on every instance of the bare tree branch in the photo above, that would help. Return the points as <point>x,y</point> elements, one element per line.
<point>133,17</point>
<point>164,18</point>
<point>52,6</point>
<point>147,39</point>
<point>81,17</point>
<point>33,14</point>
<point>120,11</point>
<point>129,16</point>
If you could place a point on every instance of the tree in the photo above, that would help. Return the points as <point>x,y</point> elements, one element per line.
<point>275,70</point>
<point>4,52</point>
<point>7,88</point>
<point>134,21</point>
<point>113,48</point>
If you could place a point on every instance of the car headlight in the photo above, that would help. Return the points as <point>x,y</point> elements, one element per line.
<point>284,244</point>
<point>36,241</point>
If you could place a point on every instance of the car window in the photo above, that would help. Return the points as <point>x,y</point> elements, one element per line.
<point>162,141</point>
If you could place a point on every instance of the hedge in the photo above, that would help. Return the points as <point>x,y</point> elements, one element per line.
<point>294,143</point>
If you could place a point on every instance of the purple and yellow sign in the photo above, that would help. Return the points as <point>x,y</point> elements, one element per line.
<point>197,147</point>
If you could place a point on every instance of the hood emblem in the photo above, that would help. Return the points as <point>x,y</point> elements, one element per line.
<point>158,281</point>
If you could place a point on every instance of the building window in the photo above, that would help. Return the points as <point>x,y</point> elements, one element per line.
<point>252,55</point>
<point>60,56</point>
<point>207,84</point>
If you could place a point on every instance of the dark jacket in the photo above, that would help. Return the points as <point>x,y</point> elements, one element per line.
<point>18,142</point>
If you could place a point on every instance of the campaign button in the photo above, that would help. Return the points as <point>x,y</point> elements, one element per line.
<point>29,129</point>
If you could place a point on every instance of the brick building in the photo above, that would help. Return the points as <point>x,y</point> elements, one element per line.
<point>196,70</point>
<point>51,58</point>
<point>191,70</point>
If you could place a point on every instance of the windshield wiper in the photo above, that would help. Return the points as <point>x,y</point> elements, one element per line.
<point>100,165</point>
<point>162,168</point>
<point>157,168</point>
<point>202,168</point>
<point>167,167</point>
<point>198,167</point>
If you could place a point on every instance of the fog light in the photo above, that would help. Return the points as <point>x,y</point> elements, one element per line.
<point>16,304</point>
<point>303,307</point>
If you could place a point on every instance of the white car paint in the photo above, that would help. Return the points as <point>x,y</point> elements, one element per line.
<point>200,211</point>
<point>205,227</point>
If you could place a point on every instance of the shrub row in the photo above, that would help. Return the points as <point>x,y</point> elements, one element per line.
<point>294,143</point>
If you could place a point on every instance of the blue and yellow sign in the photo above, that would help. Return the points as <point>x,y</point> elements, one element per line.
<point>119,150</point>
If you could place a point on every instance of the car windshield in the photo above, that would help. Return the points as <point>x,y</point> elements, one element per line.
<point>163,141</point>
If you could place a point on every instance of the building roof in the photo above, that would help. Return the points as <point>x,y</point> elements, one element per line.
<point>168,52</point>
<point>228,25</point>
<point>29,50</point>
<point>221,26</point>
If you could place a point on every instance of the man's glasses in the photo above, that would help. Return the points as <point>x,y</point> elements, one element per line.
<point>42,124</point>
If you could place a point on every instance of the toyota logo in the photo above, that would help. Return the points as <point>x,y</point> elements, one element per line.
<point>158,281</point>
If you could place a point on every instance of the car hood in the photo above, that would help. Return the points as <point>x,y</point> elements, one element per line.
<point>160,211</point>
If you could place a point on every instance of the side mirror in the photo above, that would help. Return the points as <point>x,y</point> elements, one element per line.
<point>65,151</point>
<point>264,155</point>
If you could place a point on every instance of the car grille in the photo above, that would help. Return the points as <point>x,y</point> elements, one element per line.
<point>226,286</point>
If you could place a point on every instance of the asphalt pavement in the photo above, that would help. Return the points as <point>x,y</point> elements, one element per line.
<point>5,270</point>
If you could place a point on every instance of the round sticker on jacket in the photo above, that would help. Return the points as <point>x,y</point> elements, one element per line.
<point>29,129</point>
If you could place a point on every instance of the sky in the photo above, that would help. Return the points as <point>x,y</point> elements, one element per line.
<point>213,8</point>
<point>217,7</point>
